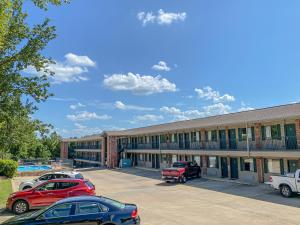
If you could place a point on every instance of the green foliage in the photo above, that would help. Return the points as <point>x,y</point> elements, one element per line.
<point>21,47</point>
<point>8,168</point>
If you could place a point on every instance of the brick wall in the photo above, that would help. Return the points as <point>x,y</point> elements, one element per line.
<point>298,132</point>
<point>257,131</point>
<point>112,152</point>
<point>64,150</point>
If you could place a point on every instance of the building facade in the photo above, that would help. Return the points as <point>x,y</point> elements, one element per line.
<point>86,151</point>
<point>249,145</point>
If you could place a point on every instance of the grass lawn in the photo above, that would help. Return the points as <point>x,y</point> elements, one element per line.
<point>5,191</point>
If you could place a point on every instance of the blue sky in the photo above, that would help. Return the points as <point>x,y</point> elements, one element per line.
<point>123,64</point>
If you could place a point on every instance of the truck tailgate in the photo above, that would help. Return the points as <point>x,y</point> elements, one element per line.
<point>170,173</point>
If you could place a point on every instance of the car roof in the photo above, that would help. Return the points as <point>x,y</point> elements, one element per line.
<point>65,172</point>
<point>68,180</point>
<point>80,198</point>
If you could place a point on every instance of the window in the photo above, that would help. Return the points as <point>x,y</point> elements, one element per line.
<point>276,132</point>
<point>47,187</point>
<point>193,137</point>
<point>162,138</point>
<point>62,210</point>
<point>65,185</point>
<point>242,134</point>
<point>175,138</point>
<point>79,176</point>
<point>213,162</point>
<point>58,176</point>
<point>248,164</point>
<point>89,184</point>
<point>114,203</point>
<point>293,165</point>
<point>87,208</point>
<point>214,135</point>
<point>272,166</point>
<point>46,177</point>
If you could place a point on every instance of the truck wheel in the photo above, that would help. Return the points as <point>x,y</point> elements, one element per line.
<point>20,207</point>
<point>199,174</point>
<point>182,179</point>
<point>286,191</point>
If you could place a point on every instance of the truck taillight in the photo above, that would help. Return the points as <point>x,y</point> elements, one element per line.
<point>270,179</point>
<point>134,214</point>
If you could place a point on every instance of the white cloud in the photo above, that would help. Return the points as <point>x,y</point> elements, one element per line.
<point>209,94</point>
<point>161,66</point>
<point>139,84</point>
<point>79,131</point>
<point>79,60</point>
<point>71,70</point>
<point>85,115</point>
<point>244,107</point>
<point>120,105</point>
<point>161,18</point>
<point>210,110</point>
<point>148,118</point>
<point>76,106</point>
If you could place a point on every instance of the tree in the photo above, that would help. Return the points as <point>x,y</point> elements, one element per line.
<point>21,47</point>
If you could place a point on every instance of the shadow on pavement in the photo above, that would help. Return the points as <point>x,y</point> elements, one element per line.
<point>261,192</point>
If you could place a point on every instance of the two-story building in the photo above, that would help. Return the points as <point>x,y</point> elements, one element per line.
<point>247,145</point>
<point>85,151</point>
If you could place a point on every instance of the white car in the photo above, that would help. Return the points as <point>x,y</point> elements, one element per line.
<point>287,184</point>
<point>49,176</point>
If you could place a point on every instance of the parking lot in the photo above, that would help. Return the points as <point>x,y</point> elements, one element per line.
<point>199,201</point>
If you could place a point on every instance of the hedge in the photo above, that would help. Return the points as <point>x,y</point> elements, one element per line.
<point>8,167</point>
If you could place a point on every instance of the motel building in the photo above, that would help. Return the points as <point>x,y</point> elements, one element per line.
<point>248,146</point>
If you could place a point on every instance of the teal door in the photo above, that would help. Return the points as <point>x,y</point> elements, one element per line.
<point>222,136</point>
<point>224,167</point>
<point>290,136</point>
<point>181,142</point>
<point>232,138</point>
<point>186,141</point>
<point>234,169</point>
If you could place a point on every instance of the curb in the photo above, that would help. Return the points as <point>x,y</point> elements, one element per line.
<point>148,169</point>
<point>228,181</point>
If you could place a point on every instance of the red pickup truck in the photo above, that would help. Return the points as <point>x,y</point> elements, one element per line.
<point>180,171</point>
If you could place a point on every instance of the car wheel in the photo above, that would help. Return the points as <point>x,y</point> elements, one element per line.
<point>286,191</point>
<point>182,179</point>
<point>20,207</point>
<point>199,174</point>
<point>26,187</point>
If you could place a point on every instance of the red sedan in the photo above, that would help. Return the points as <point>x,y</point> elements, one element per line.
<point>48,193</point>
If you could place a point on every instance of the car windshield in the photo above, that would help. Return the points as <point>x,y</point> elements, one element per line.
<point>89,184</point>
<point>114,203</point>
<point>179,165</point>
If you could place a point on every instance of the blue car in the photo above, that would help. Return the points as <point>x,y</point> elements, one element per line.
<point>85,210</point>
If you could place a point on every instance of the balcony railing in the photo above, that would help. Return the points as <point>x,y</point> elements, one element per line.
<point>88,158</point>
<point>87,147</point>
<point>280,144</point>
<point>283,143</point>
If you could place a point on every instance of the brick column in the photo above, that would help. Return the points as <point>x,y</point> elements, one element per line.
<point>298,132</point>
<point>257,135</point>
<point>260,169</point>
<point>101,151</point>
<point>228,167</point>
<point>64,150</point>
<point>202,137</point>
<point>112,152</point>
<point>227,137</point>
<point>204,164</point>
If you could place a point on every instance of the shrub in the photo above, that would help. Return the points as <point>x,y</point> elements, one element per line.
<point>8,167</point>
